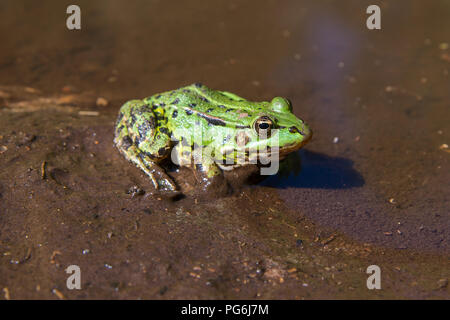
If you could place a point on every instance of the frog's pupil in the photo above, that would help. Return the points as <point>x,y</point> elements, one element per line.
<point>264,125</point>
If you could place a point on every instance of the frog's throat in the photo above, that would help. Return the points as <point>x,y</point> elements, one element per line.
<point>271,154</point>
<point>280,152</point>
<point>284,151</point>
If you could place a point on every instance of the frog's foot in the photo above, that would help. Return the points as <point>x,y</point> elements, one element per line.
<point>209,182</point>
<point>211,177</point>
<point>159,177</point>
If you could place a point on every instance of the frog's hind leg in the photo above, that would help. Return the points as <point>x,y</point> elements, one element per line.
<point>135,116</point>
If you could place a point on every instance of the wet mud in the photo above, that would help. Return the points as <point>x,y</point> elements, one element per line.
<point>371,188</point>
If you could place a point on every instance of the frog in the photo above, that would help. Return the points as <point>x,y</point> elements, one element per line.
<point>209,131</point>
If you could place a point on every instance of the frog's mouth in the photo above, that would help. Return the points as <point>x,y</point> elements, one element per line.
<point>287,149</point>
<point>284,151</point>
<point>278,153</point>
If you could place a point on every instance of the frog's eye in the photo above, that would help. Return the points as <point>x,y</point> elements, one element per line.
<point>263,125</point>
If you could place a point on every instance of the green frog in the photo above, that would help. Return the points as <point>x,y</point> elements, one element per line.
<point>206,130</point>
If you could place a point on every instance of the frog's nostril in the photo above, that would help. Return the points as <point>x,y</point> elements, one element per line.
<point>295,129</point>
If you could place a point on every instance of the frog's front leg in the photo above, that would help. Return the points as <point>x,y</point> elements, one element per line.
<point>138,139</point>
<point>205,169</point>
<point>198,158</point>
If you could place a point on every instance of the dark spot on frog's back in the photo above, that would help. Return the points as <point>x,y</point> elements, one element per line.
<point>176,101</point>
<point>133,118</point>
<point>189,112</point>
<point>159,117</point>
<point>175,114</point>
<point>144,108</point>
<point>119,128</point>
<point>145,127</point>
<point>198,85</point>
<point>126,142</point>
<point>164,130</point>
<point>209,110</point>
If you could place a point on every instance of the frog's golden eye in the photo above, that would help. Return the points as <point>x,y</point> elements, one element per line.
<point>263,125</point>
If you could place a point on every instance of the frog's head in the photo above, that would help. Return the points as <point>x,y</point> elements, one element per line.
<point>276,126</point>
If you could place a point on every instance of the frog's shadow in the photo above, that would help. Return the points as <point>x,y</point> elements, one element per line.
<point>308,169</point>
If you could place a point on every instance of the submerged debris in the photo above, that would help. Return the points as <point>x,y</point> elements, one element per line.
<point>43,167</point>
<point>88,113</point>
<point>101,102</point>
<point>59,294</point>
<point>135,191</point>
<point>6,293</point>
<point>442,283</point>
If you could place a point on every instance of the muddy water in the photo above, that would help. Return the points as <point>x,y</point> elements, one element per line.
<point>372,187</point>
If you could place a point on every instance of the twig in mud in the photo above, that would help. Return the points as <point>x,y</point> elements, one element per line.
<point>58,293</point>
<point>27,256</point>
<point>54,254</point>
<point>88,113</point>
<point>43,166</point>
<point>6,292</point>
<point>328,240</point>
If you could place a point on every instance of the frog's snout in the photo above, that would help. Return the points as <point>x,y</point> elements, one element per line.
<point>307,134</point>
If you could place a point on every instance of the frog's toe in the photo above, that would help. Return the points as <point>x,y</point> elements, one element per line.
<point>166,184</point>
<point>162,181</point>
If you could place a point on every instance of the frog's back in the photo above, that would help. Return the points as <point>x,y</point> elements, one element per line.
<point>194,102</point>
